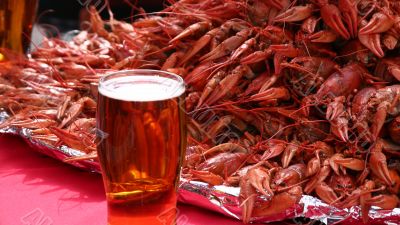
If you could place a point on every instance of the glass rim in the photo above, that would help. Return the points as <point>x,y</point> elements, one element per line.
<point>140,72</point>
<point>178,78</point>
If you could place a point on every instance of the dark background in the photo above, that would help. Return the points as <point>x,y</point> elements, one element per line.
<point>67,15</point>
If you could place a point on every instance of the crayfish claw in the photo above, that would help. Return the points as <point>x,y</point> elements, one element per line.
<point>379,120</point>
<point>349,11</point>
<point>326,193</point>
<point>192,29</point>
<point>336,108</point>
<point>395,71</point>
<point>332,17</point>
<point>372,42</point>
<point>339,118</point>
<point>379,23</point>
<point>378,163</point>
<point>351,163</point>
<point>208,177</point>
<point>384,201</point>
<point>313,166</point>
<point>260,179</point>
<point>341,131</point>
<point>294,14</point>
<point>247,198</point>
<point>279,203</point>
<point>323,36</point>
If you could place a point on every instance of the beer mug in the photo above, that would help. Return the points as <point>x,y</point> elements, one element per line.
<point>141,121</point>
<point>16,22</point>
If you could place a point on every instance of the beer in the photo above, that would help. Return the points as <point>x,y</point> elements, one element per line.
<point>142,123</point>
<point>16,22</point>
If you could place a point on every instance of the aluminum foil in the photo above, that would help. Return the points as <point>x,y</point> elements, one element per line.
<point>224,199</point>
<point>60,153</point>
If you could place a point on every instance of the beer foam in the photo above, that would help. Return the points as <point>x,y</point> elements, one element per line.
<point>142,88</point>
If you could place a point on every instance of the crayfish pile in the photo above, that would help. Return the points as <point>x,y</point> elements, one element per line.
<point>284,98</point>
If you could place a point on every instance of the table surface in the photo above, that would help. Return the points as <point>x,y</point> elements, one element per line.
<point>38,190</point>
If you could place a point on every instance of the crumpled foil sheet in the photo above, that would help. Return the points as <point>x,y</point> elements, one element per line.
<point>224,199</point>
<point>61,153</point>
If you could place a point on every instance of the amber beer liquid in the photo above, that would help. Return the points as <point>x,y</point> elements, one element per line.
<point>16,22</point>
<point>142,123</point>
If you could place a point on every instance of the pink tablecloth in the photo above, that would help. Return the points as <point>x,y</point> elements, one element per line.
<point>37,190</point>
